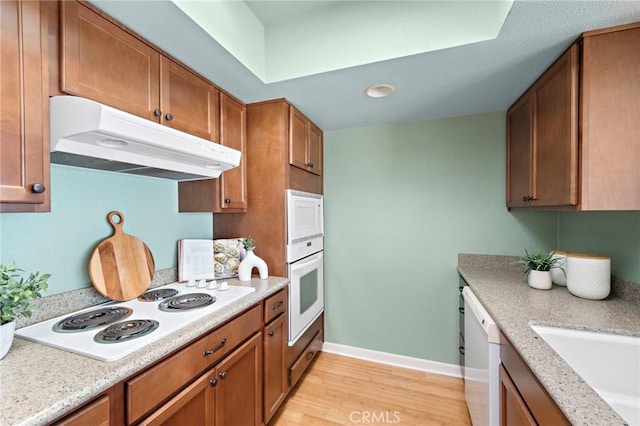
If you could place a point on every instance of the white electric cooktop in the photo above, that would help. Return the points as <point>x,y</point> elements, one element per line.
<point>143,312</point>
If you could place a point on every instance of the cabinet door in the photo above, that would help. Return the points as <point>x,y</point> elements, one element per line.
<point>555,170</point>
<point>610,113</point>
<point>24,156</point>
<point>275,370</point>
<point>101,61</point>
<point>314,142</point>
<point>193,406</point>
<point>542,139</point>
<point>232,194</point>
<point>188,103</point>
<point>519,155</point>
<point>513,409</point>
<point>298,129</point>
<point>239,388</point>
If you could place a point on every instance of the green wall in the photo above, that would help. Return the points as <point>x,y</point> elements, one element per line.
<point>61,242</point>
<point>615,234</point>
<point>401,201</point>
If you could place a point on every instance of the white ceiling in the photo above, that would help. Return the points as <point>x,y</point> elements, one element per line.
<point>475,78</point>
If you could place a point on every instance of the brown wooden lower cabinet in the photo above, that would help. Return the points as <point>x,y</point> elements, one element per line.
<point>275,369</point>
<point>105,410</point>
<point>228,394</point>
<point>513,409</point>
<point>523,400</point>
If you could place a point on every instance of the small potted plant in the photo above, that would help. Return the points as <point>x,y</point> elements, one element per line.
<point>248,243</point>
<point>537,268</point>
<point>16,293</point>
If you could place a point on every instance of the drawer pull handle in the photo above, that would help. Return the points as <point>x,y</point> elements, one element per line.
<point>310,355</point>
<point>277,305</point>
<point>461,309</point>
<point>216,349</point>
<point>461,350</point>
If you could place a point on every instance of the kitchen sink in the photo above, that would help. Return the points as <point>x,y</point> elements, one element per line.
<point>609,363</point>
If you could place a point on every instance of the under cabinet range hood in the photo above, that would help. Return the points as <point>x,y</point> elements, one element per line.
<point>85,133</point>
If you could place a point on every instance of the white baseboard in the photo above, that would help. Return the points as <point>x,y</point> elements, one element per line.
<point>419,364</point>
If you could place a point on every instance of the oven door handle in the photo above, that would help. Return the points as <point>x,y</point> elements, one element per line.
<point>307,262</point>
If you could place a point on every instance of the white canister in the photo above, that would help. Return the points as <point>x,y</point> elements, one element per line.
<point>588,275</point>
<point>558,272</point>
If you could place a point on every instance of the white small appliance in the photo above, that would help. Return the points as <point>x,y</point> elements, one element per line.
<point>85,133</point>
<point>305,234</point>
<point>481,362</point>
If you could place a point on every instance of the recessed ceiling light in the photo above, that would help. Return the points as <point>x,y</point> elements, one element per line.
<point>379,90</point>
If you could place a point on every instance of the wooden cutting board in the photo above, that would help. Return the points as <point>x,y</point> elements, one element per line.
<point>121,266</point>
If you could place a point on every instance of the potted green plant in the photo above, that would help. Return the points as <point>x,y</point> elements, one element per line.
<point>249,243</point>
<point>16,293</point>
<point>537,268</point>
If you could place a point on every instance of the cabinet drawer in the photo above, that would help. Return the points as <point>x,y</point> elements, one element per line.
<point>305,359</point>
<point>148,389</point>
<point>275,305</point>
<point>95,413</point>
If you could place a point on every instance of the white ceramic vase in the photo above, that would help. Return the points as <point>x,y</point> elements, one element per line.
<point>540,280</point>
<point>248,263</point>
<point>6,337</point>
<point>558,272</point>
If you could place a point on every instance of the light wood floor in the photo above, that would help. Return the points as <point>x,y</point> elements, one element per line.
<point>338,390</point>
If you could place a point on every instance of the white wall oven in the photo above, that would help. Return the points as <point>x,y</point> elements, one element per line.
<point>305,233</point>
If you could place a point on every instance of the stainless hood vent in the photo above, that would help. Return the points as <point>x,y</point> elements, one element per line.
<point>85,133</point>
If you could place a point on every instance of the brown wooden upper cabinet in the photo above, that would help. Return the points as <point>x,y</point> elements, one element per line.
<point>542,138</point>
<point>572,138</point>
<point>24,122</point>
<point>228,193</point>
<point>305,143</point>
<point>103,62</point>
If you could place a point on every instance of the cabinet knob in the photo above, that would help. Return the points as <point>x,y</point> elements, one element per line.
<point>37,188</point>
<point>527,198</point>
<point>157,112</point>
<point>310,165</point>
<point>270,333</point>
<point>168,116</point>
<point>223,374</point>
<point>213,383</point>
<point>227,200</point>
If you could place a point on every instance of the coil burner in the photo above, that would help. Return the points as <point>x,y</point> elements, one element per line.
<point>92,319</point>
<point>186,302</point>
<point>126,330</point>
<point>159,294</point>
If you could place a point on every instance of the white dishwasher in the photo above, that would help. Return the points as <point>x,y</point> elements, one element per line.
<point>481,362</point>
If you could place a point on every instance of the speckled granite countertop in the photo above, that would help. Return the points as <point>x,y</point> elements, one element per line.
<point>503,291</point>
<point>40,383</point>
